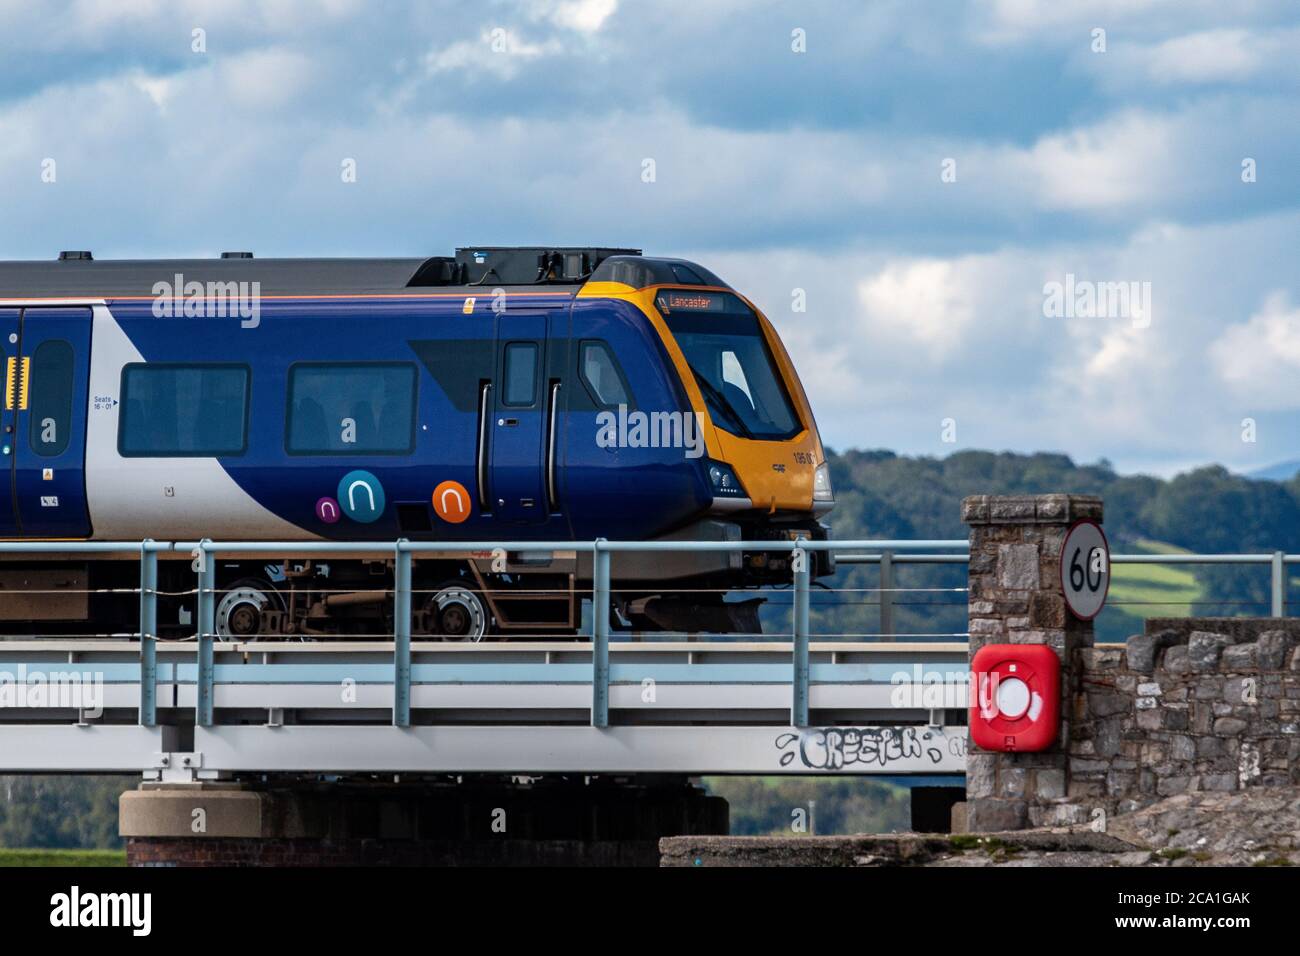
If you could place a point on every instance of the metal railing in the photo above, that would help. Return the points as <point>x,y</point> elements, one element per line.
<point>887,554</point>
<point>205,552</point>
<point>600,550</point>
<point>1277,561</point>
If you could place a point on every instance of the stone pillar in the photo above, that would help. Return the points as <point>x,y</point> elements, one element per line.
<point>1016,598</point>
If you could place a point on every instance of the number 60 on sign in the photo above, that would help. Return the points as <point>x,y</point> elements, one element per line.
<point>1085,569</point>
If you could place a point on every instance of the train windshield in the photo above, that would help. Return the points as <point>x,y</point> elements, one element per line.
<point>733,366</point>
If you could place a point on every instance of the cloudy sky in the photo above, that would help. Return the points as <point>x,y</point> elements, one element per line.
<point>921,171</point>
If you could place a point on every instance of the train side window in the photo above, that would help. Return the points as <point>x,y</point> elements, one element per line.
<point>183,411</point>
<point>358,408</point>
<point>520,374</point>
<point>602,375</point>
<point>51,377</point>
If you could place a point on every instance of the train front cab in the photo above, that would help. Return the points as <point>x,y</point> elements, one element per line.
<point>763,470</point>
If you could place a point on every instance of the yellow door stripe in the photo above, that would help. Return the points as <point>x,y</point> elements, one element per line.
<point>23,382</point>
<point>9,384</point>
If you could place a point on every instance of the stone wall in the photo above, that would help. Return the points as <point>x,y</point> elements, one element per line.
<point>1189,705</point>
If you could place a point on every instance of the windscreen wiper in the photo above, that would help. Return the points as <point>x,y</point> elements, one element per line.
<point>723,404</point>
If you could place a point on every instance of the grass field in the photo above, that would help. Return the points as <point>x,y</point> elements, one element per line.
<point>9,857</point>
<point>1154,590</point>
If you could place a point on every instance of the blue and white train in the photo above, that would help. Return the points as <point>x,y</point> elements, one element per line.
<point>544,394</point>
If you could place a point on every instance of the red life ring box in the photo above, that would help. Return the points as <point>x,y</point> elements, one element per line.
<point>1015,702</point>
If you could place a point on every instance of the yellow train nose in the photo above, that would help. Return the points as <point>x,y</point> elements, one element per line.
<point>780,476</point>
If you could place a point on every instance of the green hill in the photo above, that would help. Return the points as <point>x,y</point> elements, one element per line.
<point>883,495</point>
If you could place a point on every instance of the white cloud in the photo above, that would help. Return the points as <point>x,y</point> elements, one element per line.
<point>502,50</point>
<point>1259,359</point>
<point>923,302</point>
<point>133,27</point>
<point>1119,161</point>
<point>266,80</point>
<point>1066,23</point>
<point>1225,57</point>
<point>585,16</point>
<point>497,50</point>
<point>157,88</point>
<point>1207,56</point>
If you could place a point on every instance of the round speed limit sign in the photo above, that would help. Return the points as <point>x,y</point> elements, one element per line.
<point>1085,569</point>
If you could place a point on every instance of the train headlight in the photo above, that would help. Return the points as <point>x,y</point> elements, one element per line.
<point>724,482</point>
<point>822,490</point>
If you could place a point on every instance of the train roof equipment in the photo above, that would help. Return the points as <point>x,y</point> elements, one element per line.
<point>539,268</point>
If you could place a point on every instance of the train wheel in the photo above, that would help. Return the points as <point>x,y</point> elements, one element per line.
<point>456,613</point>
<point>239,613</point>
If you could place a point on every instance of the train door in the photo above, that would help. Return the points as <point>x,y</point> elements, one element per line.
<point>47,377</point>
<point>519,426</point>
